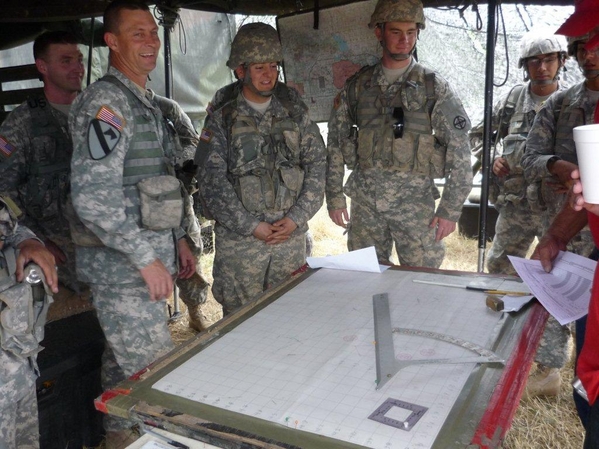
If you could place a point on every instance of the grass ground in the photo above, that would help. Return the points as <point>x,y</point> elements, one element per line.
<point>539,423</point>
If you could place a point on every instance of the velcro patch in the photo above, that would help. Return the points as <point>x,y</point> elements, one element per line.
<point>6,149</point>
<point>102,138</point>
<point>210,108</point>
<point>107,115</point>
<point>206,135</point>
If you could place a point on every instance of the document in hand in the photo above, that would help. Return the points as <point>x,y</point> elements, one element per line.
<point>565,291</point>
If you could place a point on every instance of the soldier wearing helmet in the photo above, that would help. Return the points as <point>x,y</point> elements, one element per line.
<point>261,171</point>
<point>398,125</point>
<point>542,55</point>
<point>550,155</point>
<point>582,29</point>
<point>548,162</point>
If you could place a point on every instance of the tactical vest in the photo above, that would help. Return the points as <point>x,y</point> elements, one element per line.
<point>417,151</point>
<point>265,169</point>
<point>49,165</point>
<point>145,158</point>
<point>513,186</point>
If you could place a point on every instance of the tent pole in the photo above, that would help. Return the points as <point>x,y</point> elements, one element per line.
<point>90,53</point>
<point>488,116</point>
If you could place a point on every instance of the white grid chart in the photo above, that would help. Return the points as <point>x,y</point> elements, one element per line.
<point>307,361</point>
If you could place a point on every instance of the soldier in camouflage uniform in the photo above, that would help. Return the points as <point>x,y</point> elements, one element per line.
<point>36,151</point>
<point>23,308</point>
<point>541,58</point>
<point>194,290</point>
<point>398,125</point>
<point>129,202</point>
<point>262,164</point>
<point>548,161</point>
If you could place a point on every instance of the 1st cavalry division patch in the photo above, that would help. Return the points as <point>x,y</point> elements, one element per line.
<point>104,133</point>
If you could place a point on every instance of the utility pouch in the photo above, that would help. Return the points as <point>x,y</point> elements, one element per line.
<point>161,202</point>
<point>17,319</point>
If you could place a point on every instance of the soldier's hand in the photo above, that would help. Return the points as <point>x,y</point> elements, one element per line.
<point>58,254</point>
<point>547,250</point>
<point>263,231</point>
<point>340,217</point>
<point>34,251</point>
<point>283,229</point>
<point>501,168</point>
<point>187,263</point>
<point>444,227</point>
<point>577,201</point>
<point>158,280</point>
<point>563,170</point>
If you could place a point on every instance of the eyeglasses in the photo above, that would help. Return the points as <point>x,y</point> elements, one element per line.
<point>398,126</point>
<point>537,62</point>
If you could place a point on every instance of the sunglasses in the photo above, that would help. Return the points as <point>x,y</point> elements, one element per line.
<point>398,126</point>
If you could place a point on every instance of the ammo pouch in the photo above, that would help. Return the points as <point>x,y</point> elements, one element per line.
<point>288,191</point>
<point>514,189</point>
<point>161,202</point>
<point>535,200</point>
<point>22,317</point>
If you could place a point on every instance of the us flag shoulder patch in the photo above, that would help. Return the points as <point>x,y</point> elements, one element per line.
<point>206,135</point>
<point>5,147</point>
<point>107,115</point>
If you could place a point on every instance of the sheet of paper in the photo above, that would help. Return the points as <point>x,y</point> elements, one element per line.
<point>515,303</point>
<point>566,291</point>
<point>360,260</point>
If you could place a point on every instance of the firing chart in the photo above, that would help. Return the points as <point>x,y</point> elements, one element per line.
<point>307,360</point>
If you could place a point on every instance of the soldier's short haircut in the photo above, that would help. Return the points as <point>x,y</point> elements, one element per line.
<point>43,42</point>
<point>112,13</point>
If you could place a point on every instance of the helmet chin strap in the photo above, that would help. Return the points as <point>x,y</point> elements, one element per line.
<point>544,82</point>
<point>397,56</point>
<point>247,80</point>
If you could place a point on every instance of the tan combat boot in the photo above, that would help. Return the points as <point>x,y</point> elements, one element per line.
<point>197,318</point>
<point>544,382</point>
<point>120,439</point>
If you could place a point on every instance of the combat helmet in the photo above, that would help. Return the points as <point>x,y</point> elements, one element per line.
<point>586,39</point>
<point>398,11</point>
<point>534,44</point>
<point>255,42</point>
<point>574,40</point>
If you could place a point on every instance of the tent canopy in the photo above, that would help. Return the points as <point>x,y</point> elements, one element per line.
<point>57,10</point>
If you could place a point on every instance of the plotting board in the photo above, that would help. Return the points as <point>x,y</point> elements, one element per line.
<point>307,361</point>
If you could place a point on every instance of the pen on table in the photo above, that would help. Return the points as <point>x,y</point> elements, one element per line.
<point>507,293</point>
<point>165,438</point>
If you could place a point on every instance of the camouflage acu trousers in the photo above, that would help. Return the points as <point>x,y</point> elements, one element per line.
<point>136,334</point>
<point>553,349</point>
<point>19,427</point>
<point>244,267</point>
<point>407,227</point>
<point>515,230</point>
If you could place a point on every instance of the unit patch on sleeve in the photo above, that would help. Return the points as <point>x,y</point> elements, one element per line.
<point>6,149</point>
<point>206,135</point>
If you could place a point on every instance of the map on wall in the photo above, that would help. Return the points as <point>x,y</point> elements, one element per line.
<point>318,62</point>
